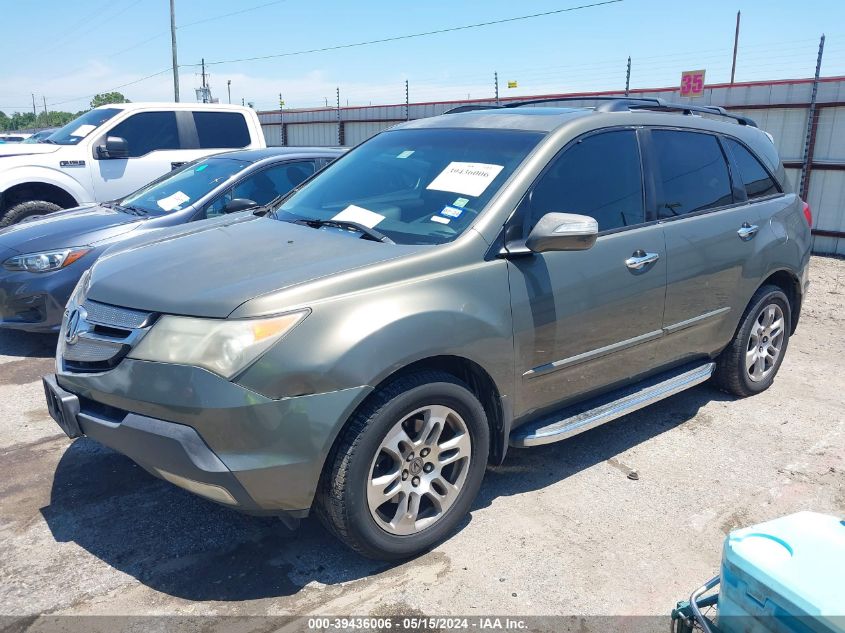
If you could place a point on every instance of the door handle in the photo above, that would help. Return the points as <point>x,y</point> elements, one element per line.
<point>640,259</point>
<point>747,231</point>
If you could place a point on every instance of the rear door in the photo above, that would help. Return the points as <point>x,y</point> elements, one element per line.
<point>711,230</point>
<point>586,320</point>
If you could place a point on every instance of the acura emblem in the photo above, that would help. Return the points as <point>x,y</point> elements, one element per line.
<point>76,325</point>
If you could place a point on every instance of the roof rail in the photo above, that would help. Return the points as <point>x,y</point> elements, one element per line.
<point>620,104</point>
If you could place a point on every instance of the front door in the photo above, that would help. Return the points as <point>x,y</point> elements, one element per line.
<point>587,320</point>
<point>154,149</point>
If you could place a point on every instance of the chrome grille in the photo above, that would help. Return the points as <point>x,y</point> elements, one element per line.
<point>96,336</point>
<point>113,316</point>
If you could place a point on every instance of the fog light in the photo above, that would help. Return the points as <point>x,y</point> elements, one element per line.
<point>209,491</point>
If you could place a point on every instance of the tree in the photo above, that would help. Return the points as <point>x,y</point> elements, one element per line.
<point>108,97</point>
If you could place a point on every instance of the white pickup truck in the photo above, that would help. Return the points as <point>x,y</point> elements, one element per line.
<point>113,150</point>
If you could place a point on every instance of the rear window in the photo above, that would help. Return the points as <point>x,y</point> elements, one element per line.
<point>693,174</point>
<point>756,179</point>
<point>221,130</point>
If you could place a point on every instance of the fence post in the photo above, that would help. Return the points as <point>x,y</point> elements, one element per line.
<point>812,126</point>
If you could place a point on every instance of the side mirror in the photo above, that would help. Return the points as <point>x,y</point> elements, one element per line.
<point>115,147</point>
<point>563,232</point>
<point>239,204</point>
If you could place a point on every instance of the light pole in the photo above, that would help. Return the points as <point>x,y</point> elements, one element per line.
<point>229,89</point>
<point>173,51</point>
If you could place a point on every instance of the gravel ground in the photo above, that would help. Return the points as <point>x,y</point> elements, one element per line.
<point>558,529</point>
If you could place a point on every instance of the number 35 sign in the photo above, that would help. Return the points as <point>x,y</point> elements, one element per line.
<point>692,83</point>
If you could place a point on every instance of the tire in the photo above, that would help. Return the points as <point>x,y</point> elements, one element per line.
<point>26,210</point>
<point>372,446</point>
<point>754,339</point>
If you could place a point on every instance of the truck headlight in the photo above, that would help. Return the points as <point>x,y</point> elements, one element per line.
<point>223,346</point>
<point>44,261</point>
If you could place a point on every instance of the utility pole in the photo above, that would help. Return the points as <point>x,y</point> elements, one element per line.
<point>33,105</point>
<point>812,125</point>
<point>229,89</point>
<point>496,82</point>
<point>339,124</point>
<point>173,51</point>
<point>44,99</point>
<point>407,102</point>
<point>628,77</point>
<point>736,45</point>
<point>204,85</point>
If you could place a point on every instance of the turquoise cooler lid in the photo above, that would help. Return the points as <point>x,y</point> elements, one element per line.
<point>800,557</point>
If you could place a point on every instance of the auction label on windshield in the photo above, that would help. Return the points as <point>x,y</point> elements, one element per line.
<point>360,215</point>
<point>83,130</point>
<point>469,179</point>
<point>171,202</point>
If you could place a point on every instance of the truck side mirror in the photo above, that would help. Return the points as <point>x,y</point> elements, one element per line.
<point>563,232</point>
<point>114,147</point>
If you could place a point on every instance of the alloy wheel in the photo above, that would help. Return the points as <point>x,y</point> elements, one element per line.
<point>765,343</point>
<point>419,470</point>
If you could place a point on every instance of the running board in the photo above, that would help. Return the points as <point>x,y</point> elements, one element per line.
<point>597,411</point>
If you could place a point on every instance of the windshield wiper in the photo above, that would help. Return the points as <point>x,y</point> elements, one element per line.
<point>365,231</point>
<point>126,208</point>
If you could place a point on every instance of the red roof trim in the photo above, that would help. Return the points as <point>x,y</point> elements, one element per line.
<point>747,84</point>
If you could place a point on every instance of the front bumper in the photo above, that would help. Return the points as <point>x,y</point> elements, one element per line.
<point>35,302</point>
<point>208,435</point>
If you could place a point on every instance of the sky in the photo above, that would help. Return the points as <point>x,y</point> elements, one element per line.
<point>64,52</point>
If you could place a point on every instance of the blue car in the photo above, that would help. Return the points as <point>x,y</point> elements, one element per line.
<point>41,260</point>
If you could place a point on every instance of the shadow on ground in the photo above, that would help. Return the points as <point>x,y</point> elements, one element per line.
<point>181,545</point>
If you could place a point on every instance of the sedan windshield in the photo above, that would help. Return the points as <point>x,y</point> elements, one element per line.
<point>415,186</point>
<point>184,186</point>
<point>82,126</point>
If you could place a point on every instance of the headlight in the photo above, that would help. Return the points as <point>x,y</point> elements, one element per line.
<point>45,261</point>
<point>219,345</point>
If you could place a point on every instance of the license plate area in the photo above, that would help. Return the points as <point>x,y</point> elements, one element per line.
<point>63,407</point>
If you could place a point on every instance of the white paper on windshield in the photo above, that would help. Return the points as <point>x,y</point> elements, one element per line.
<point>360,215</point>
<point>405,154</point>
<point>469,179</point>
<point>83,130</point>
<point>171,202</point>
<point>441,220</point>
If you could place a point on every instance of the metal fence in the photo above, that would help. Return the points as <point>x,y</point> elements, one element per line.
<point>782,108</point>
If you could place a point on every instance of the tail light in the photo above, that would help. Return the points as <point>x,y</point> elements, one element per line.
<point>808,214</point>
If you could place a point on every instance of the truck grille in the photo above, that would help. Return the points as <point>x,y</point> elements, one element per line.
<point>96,336</point>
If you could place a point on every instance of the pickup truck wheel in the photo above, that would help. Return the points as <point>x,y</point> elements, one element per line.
<point>407,467</point>
<point>28,209</point>
<point>750,363</point>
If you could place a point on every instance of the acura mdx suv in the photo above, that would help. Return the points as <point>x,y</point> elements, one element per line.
<point>495,277</point>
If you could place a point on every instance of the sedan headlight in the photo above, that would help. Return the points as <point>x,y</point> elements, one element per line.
<point>44,261</point>
<point>224,346</point>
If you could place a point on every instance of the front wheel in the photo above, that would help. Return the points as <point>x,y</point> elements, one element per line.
<point>407,467</point>
<point>28,210</point>
<point>750,363</point>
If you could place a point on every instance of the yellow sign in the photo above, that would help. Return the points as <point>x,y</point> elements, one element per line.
<point>512,84</point>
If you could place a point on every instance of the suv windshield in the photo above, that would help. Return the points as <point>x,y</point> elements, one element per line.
<point>416,186</point>
<point>183,187</point>
<point>82,126</point>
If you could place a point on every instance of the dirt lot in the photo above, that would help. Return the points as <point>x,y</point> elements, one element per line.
<point>556,529</point>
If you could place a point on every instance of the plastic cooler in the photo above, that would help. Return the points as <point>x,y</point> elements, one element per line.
<point>784,576</point>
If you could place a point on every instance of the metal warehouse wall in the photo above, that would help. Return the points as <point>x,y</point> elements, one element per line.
<point>779,107</point>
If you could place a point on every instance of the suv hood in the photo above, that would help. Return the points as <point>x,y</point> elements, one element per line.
<point>83,226</point>
<point>210,269</point>
<point>22,149</point>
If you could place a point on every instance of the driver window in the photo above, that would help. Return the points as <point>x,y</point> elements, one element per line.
<point>263,186</point>
<point>598,176</point>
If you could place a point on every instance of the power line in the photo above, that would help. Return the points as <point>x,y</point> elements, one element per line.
<point>228,15</point>
<point>396,38</point>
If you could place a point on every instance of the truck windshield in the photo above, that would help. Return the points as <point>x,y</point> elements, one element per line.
<point>415,186</point>
<point>184,186</point>
<point>81,126</point>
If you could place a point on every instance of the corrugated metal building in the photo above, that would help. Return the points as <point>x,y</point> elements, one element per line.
<point>779,107</point>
